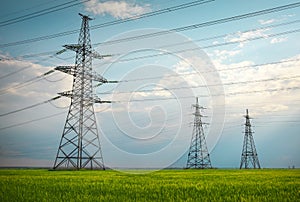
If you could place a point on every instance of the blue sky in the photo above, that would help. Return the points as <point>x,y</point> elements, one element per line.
<point>230,77</point>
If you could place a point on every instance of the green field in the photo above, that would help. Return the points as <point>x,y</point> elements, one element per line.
<point>166,185</point>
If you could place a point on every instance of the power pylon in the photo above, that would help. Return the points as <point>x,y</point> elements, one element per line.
<point>198,156</point>
<point>249,155</point>
<point>80,145</point>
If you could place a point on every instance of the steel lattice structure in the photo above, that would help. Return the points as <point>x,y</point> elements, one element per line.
<point>198,156</point>
<point>249,155</point>
<point>80,145</point>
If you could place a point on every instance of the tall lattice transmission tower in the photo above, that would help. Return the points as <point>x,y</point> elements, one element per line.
<point>80,145</point>
<point>198,156</point>
<point>249,155</point>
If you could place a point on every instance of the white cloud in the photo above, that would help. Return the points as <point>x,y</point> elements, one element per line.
<point>117,9</point>
<point>266,101</point>
<point>26,87</point>
<point>242,37</point>
<point>156,92</point>
<point>266,22</point>
<point>275,107</point>
<point>278,40</point>
<point>225,54</point>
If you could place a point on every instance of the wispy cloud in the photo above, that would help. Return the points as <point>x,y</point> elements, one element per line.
<point>242,37</point>
<point>266,22</point>
<point>117,9</point>
<point>225,54</point>
<point>268,72</point>
<point>278,40</point>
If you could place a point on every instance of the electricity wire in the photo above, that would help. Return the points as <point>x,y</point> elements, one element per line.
<point>205,86</point>
<point>31,106</point>
<point>212,95</point>
<point>234,33</point>
<point>34,120</point>
<point>106,24</point>
<point>38,78</point>
<point>200,48</point>
<point>214,70</point>
<point>205,24</point>
<point>170,45</point>
<point>41,12</point>
<point>179,29</point>
<point>184,50</point>
<point>26,83</point>
<point>156,99</point>
<point>27,67</point>
<point>161,54</point>
<point>26,9</point>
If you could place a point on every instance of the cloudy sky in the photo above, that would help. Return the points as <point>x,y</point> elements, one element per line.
<point>233,55</point>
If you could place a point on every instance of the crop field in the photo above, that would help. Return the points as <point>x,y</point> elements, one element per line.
<point>165,185</point>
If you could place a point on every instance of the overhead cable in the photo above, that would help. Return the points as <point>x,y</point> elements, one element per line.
<point>31,106</point>
<point>175,44</point>
<point>211,95</point>
<point>208,85</point>
<point>106,24</point>
<point>210,71</point>
<point>205,24</point>
<point>42,12</point>
<point>31,121</point>
<point>26,83</point>
<point>204,47</point>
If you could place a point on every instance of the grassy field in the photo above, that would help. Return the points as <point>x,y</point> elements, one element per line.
<point>167,185</point>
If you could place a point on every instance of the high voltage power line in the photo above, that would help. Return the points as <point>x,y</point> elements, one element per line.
<point>216,70</point>
<point>204,47</point>
<point>42,12</point>
<point>115,22</point>
<point>205,24</point>
<point>166,98</point>
<point>3,16</point>
<point>227,84</point>
<point>157,99</point>
<point>26,67</point>
<point>166,53</point>
<point>44,75</point>
<point>60,113</point>
<point>26,83</point>
<point>179,29</point>
<point>208,85</point>
<point>31,121</point>
<point>234,33</point>
<point>225,94</point>
<point>31,106</point>
<point>176,44</point>
<point>34,120</point>
<point>57,114</point>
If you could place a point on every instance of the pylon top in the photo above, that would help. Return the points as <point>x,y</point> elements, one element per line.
<point>85,16</point>
<point>197,104</point>
<point>247,115</point>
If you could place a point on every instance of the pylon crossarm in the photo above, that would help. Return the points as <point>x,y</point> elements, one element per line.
<point>66,69</point>
<point>87,75</point>
<point>95,54</point>
<point>97,77</point>
<point>73,47</point>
